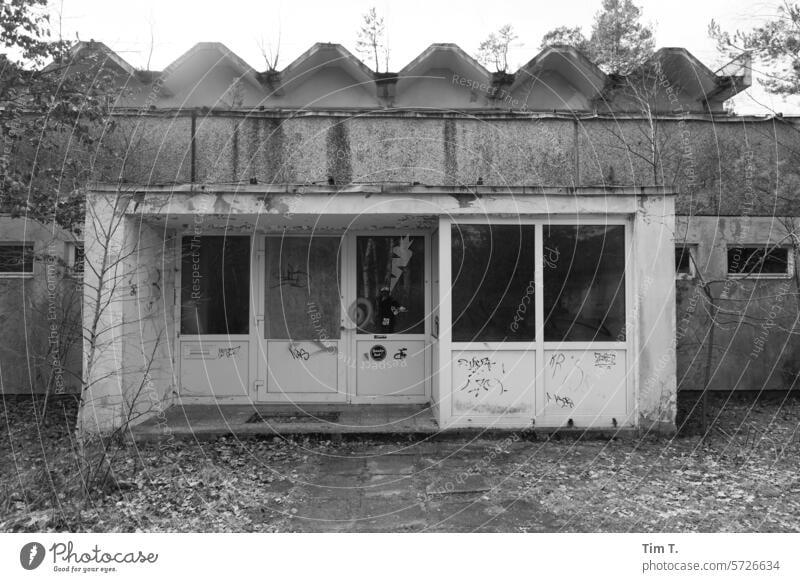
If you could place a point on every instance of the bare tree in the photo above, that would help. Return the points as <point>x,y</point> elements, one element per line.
<point>371,43</point>
<point>493,51</point>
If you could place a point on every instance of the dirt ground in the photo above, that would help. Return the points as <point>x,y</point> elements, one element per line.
<point>740,475</point>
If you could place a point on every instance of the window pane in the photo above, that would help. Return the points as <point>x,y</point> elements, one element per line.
<point>493,284</point>
<point>683,261</point>
<point>584,283</point>
<point>397,264</point>
<point>758,260</point>
<point>302,288</point>
<point>16,259</point>
<point>215,285</point>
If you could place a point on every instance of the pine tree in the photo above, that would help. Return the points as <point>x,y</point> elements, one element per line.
<point>776,43</point>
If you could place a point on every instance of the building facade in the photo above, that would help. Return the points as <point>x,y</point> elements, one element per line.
<point>500,247</point>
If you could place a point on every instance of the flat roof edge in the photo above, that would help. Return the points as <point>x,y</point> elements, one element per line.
<point>380,188</point>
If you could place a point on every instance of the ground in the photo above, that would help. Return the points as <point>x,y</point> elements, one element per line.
<point>740,475</point>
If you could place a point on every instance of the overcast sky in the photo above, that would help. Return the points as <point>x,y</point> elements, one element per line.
<point>412,25</point>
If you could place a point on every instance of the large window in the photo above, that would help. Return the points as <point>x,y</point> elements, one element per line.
<point>302,288</point>
<point>492,282</point>
<point>16,259</point>
<point>215,285</point>
<point>759,261</point>
<point>584,283</point>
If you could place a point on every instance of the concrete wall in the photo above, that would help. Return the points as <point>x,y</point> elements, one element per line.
<point>128,313</point>
<point>40,314</point>
<point>751,346</point>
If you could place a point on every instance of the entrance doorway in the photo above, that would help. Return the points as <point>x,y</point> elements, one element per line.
<point>343,318</point>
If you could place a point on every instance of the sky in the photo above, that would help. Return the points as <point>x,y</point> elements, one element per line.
<point>153,33</point>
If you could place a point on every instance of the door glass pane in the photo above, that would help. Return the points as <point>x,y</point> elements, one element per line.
<point>215,285</point>
<point>390,284</point>
<point>493,284</point>
<point>302,288</point>
<point>584,283</point>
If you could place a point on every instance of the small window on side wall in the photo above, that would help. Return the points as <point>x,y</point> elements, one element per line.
<point>685,256</point>
<point>16,259</point>
<point>765,261</point>
<point>76,259</point>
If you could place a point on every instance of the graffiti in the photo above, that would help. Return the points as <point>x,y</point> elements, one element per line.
<point>562,401</point>
<point>292,278</point>
<point>298,353</point>
<point>230,352</point>
<point>400,354</point>
<point>480,377</point>
<point>556,360</point>
<point>476,364</point>
<point>574,377</point>
<point>605,360</point>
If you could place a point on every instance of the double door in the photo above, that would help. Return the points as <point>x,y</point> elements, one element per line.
<point>343,318</point>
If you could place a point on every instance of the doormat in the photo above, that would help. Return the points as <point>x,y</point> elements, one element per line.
<point>289,417</point>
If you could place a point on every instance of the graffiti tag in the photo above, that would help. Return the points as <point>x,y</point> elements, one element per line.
<point>605,360</point>
<point>231,352</point>
<point>298,353</point>
<point>480,378</point>
<point>562,401</point>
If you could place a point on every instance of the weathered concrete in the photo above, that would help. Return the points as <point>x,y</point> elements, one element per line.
<point>40,313</point>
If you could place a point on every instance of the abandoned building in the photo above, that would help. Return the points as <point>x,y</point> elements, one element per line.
<point>452,247</point>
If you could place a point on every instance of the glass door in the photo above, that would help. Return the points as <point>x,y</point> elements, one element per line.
<point>300,327</point>
<point>389,318</point>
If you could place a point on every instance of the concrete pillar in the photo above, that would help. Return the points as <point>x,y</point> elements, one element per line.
<point>128,315</point>
<point>654,313</point>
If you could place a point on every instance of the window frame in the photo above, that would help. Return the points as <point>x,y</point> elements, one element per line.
<point>179,303</point>
<point>539,220</point>
<point>692,274</point>
<point>72,259</point>
<point>761,276</point>
<point>20,274</point>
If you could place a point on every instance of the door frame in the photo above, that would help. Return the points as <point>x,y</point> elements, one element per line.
<point>347,353</point>
<point>260,342</point>
<point>349,331</point>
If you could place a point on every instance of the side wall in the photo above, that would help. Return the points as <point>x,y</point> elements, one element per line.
<point>40,314</point>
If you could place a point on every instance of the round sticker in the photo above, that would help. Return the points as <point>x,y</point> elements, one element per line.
<point>377,352</point>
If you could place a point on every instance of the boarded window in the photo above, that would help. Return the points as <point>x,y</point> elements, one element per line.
<point>493,282</point>
<point>758,261</point>
<point>396,264</point>
<point>215,285</point>
<point>16,259</point>
<point>584,283</point>
<point>302,288</point>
